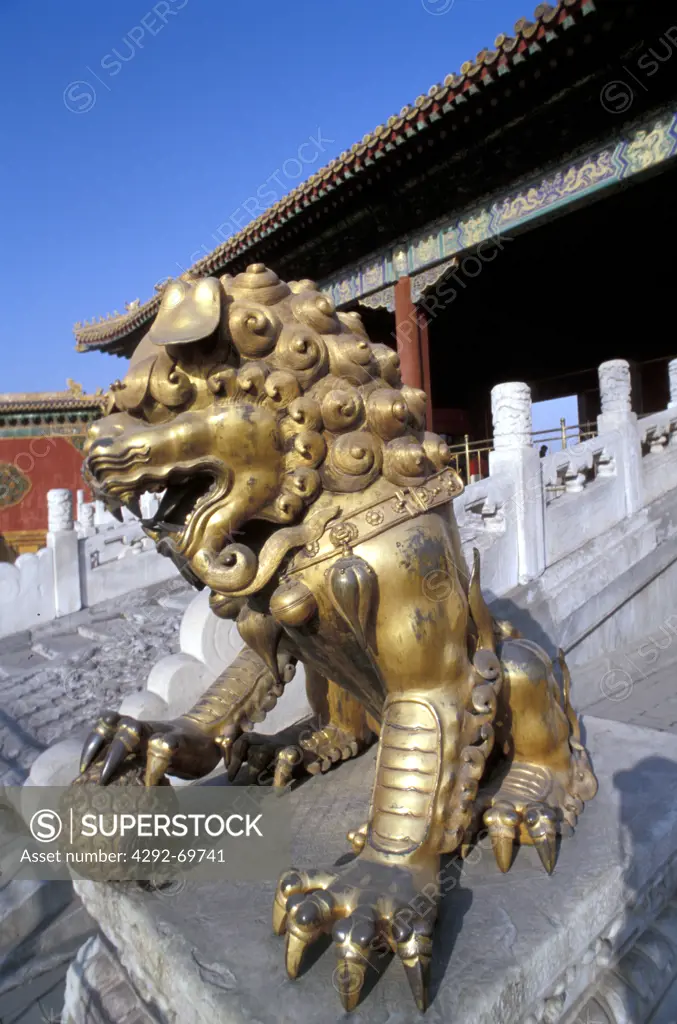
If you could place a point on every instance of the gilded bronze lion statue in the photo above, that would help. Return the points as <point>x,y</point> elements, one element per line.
<point>301,487</point>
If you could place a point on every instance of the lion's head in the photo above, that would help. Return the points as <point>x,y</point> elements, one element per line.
<point>245,401</point>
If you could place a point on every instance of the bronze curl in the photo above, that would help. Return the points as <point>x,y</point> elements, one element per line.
<point>233,569</point>
<point>258,284</point>
<point>287,507</point>
<point>388,364</point>
<point>307,447</point>
<point>351,357</point>
<point>354,324</point>
<point>353,462</point>
<point>436,450</point>
<point>417,403</point>
<point>387,413</point>
<point>342,410</point>
<point>130,393</point>
<point>304,352</point>
<point>306,412</point>
<point>405,462</point>
<point>282,388</point>
<point>169,385</point>
<point>304,482</point>
<point>251,379</point>
<point>222,381</point>
<point>253,328</point>
<point>316,310</point>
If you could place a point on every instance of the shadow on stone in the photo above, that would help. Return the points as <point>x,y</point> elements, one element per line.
<point>454,905</point>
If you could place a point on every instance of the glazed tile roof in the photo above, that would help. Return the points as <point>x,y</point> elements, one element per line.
<point>73,399</point>
<point>457,89</point>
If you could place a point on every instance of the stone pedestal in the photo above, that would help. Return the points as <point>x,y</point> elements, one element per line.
<point>597,941</point>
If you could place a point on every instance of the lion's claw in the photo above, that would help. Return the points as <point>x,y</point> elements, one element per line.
<point>173,744</point>
<point>315,753</point>
<point>103,733</point>
<point>533,806</point>
<point>369,911</point>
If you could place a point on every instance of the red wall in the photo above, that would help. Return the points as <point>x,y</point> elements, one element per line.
<point>47,462</point>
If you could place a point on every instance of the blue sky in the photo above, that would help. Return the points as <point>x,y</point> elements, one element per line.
<point>132,131</point>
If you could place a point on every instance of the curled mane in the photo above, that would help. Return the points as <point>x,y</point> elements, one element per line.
<point>343,414</point>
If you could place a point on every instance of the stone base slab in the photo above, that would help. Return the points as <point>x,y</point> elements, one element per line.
<point>596,942</point>
<point>98,990</point>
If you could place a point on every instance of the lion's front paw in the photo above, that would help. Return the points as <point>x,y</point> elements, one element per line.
<point>174,747</point>
<point>372,910</point>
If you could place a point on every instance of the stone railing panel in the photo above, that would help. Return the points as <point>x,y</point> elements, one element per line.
<point>117,560</point>
<point>486,514</point>
<point>86,561</point>
<point>27,592</point>
<point>584,495</point>
<point>658,438</point>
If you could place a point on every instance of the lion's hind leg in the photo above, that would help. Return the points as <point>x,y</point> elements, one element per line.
<point>550,777</point>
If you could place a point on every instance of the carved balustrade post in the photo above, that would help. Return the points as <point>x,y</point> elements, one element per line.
<point>515,456</point>
<point>59,510</point>
<point>672,373</point>
<point>102,517</point>
<point>615,390</point>
<point>63,542</point>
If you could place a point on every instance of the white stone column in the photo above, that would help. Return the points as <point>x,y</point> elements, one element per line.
<point>515,456</point>
<point>102,517</point>
<point>672,373</point>
<point>63,540</point>
<point>85,524</point>
<point>59,510</point>
<point>511,416</point>
<point>615,389</point>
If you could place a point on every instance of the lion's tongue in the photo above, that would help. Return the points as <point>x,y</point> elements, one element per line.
<point>171,499</point>
<point>134,507</point>
<point>177,501</point>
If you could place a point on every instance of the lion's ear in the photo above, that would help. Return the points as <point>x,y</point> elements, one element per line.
<point>189,311</point>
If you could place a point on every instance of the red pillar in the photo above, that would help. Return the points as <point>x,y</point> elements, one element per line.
<point>407,334</point>
<point>425,362</point>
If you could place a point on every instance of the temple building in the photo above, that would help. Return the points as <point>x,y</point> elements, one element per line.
<point>515,223</point>
<point>41,439</point>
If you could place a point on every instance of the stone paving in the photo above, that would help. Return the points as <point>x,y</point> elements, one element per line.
<point>54,679</point>
<point>636,684</point>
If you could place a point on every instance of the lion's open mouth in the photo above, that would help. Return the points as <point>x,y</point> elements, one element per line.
<point>187,501</point>
<point>180,501</point>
